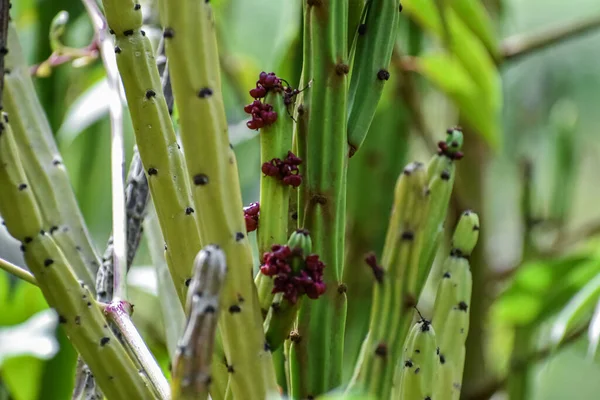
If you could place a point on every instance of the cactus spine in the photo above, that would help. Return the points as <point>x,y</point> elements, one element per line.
<point>80,315</point>
<point>396,292</point>
<point>451,309</point>
<point>318,356</point>
<point>191,48</point>
<point>43,166</point>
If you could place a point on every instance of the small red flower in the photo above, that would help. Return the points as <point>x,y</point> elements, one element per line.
<point>308,279</point>
<point>251,216</point>
<point>377,269</point>
<point>262,114</point>
<point>285,170</point>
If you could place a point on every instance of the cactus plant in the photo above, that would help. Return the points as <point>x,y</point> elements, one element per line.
<point>242,335</point>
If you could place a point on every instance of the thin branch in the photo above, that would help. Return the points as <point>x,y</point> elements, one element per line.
<point>17,271</point>
<point>117,151</point>
<point>136,199</point>
<point>4,18</point>
<point>521,45</point>
<point>486,390</point>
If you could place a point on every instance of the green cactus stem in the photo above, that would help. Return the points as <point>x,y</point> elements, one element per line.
<point>43,165</point>
<point>191,48</point>
<point>192,364</point>
<point>318,356</point>
<point>416,372</point>
<point>280,320</point>
<point>155,138</point>
<point>374,167</point>
<point>396,291</point>
<point>451,309</point>
<point>374,43</point>
<point>79,314</point>
<point>275,142</point>
<point>441,173</point>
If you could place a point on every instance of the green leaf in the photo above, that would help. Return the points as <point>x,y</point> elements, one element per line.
<point>541,288</point>
<point>474,15</point>
<point>477,65</point>
<point>453,79</point>
<point>578,307</point>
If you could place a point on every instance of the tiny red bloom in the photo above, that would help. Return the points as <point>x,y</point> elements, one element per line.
<point>293,284</point>
<point>251,216</point>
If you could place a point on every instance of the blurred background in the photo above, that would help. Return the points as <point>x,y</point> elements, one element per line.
<point>532,177</point>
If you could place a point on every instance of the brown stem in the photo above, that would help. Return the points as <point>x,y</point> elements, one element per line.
<point>4,18</point>
<point>521,45</point>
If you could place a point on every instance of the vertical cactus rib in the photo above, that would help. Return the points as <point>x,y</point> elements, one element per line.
<point>191,50</point>
<point>79,314</point>
<point>42,162</point>
<point>374,44</point>
<point>192,363</point>
<point>155,138</point>
<point>318,357</point>
<point>451,309</point>
<point>397,290</point>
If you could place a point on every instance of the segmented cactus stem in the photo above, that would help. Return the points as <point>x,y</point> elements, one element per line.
<point>192,363</point>
<point>396,291</point>
<point>451,309</point>
<point>72,299</point>
<point>162,159</point>
<point>43,166</point>
<point>416,371</point>
<point>275,142</point>
<point>191,48</point>
<point>318,356</point>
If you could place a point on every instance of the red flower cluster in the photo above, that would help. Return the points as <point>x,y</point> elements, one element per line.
<point>251,216</point>
<point>264,84</point>
<point>293,284</point>
<point>285,170</point>
<point>262,114</point>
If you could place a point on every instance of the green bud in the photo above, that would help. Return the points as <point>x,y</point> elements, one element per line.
<point>300,239</point>
<point>454,139</point>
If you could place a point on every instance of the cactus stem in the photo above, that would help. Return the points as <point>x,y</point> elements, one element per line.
<point>192,365</point>
<point>17,271</point>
